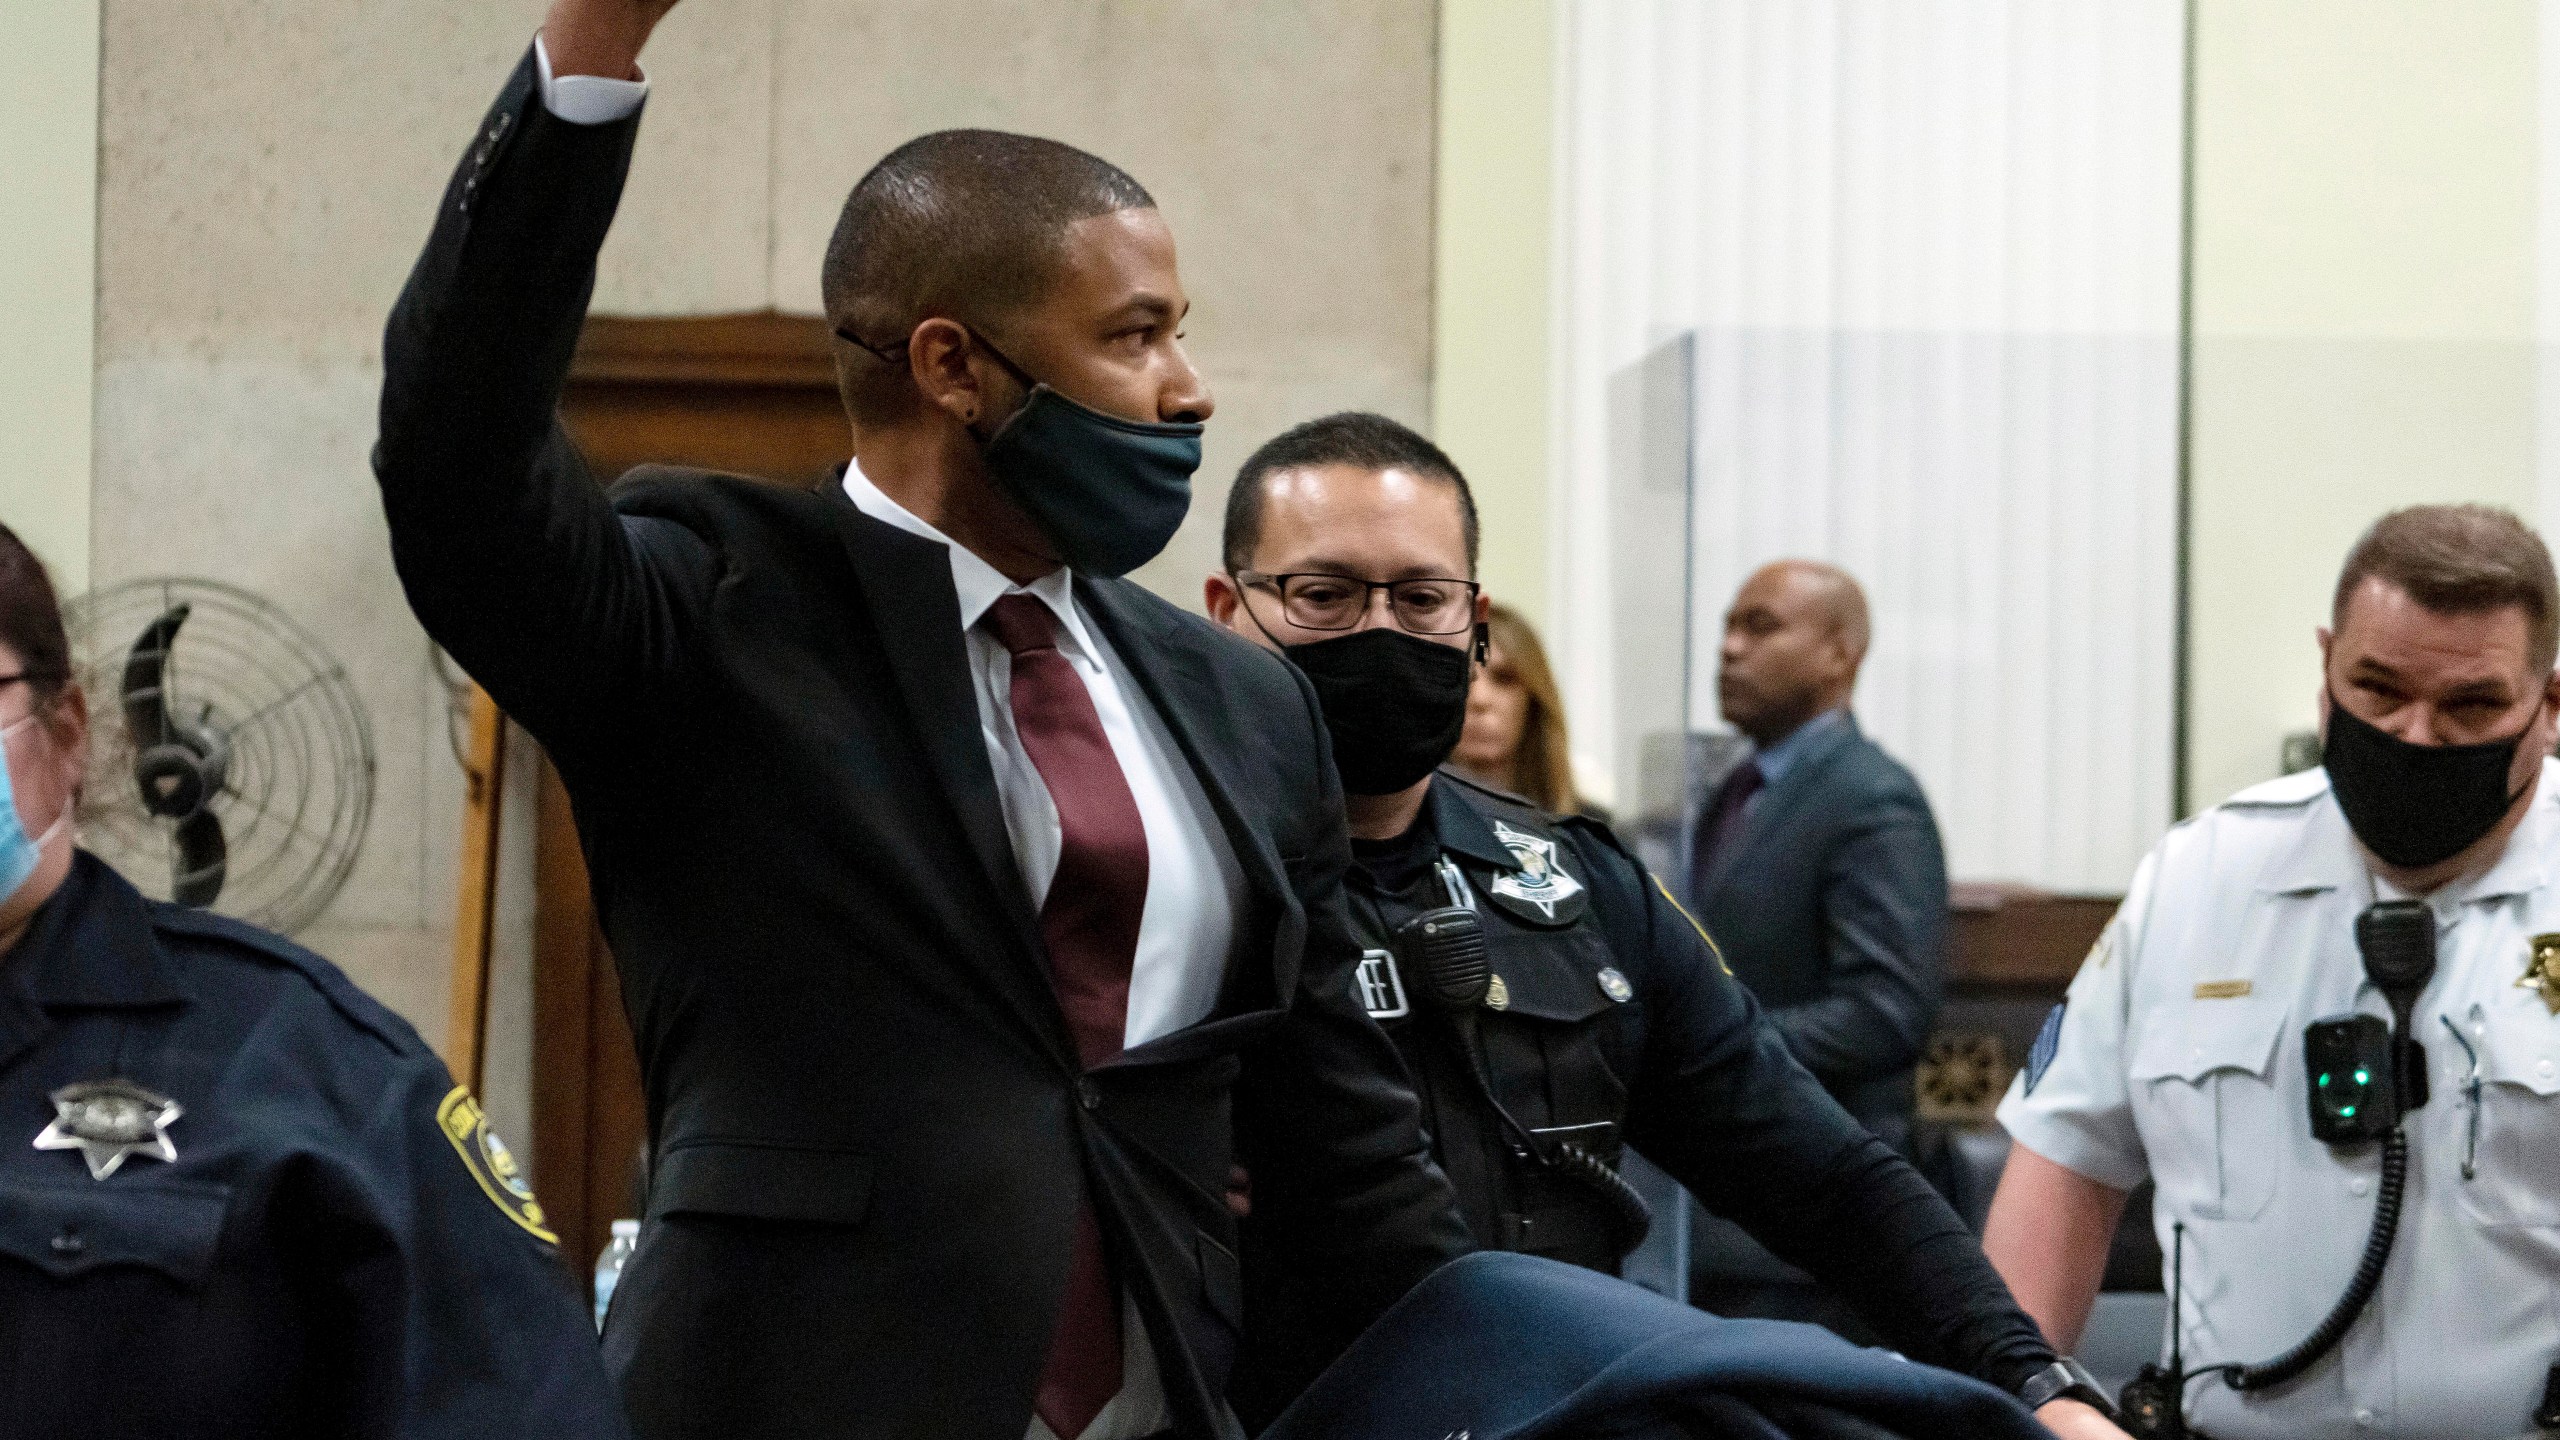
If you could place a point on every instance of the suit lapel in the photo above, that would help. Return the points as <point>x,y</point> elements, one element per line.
<point>907,579</point>
<point>1167,661</point>
<point>1781,807</point>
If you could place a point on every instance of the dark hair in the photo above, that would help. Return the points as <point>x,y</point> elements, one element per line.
<point>2460,560</point>
<point>960,223</point>
<point>1353,437</point>
<point>31,619</point>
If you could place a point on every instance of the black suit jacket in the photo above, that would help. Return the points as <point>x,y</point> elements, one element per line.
<point>1831,904</point>
<point>871,1132</point>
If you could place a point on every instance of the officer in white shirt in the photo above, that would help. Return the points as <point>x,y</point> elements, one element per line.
<point>2179,1055</point>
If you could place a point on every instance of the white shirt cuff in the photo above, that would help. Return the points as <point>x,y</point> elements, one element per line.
<point>587,99</point>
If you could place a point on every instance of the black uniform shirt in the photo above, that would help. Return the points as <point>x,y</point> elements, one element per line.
<point>1591,949</point>
<point>339,1247</point>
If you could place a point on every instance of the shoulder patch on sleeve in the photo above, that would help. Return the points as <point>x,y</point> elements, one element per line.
<point>493,1167</point>
<point>2048,1044</point>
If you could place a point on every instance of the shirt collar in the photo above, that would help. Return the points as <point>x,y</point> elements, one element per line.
<point>1773,761</point>
<point>2325,855</point>
<point>1462,829</point>
<point>93,945</point>
<point>978,584</point>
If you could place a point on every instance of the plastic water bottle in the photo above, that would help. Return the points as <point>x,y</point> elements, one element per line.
<point>626,1238</point>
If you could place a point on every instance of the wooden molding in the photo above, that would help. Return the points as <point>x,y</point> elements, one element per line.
<point>475,907</point>
<point>2013,937</point>
<point>763,349</point>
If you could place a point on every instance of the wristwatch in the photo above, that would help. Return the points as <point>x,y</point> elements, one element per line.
<point>2065,1379</point>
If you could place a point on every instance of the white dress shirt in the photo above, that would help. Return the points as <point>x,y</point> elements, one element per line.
<point>1193,879</point>
<point>1194,883</point>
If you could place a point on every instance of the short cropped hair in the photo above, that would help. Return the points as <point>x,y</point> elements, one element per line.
<point>1353,437</point>
<point>968,224</point>
<point>31,620</point>
<point>2460,560</point>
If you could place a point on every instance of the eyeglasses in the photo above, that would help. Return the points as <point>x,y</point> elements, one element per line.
<point>1313,600</point>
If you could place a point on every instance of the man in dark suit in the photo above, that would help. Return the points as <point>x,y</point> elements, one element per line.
<point>1816,864</point>
<point>976,911</point>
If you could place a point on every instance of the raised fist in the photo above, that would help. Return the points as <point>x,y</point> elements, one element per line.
<point>600,37</point>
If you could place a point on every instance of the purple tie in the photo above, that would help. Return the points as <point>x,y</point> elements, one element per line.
<point>1723,823</point>
<point>1089,925</point>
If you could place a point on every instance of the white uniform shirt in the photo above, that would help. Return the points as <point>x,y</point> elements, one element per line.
<point>1194,882</point>
<point>2179,1059</point>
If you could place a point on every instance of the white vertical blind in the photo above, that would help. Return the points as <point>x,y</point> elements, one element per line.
<point>1926,255</point>
<point>2547,273</point>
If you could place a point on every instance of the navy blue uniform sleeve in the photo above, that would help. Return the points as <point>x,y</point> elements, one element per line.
<point>453,1310</point>
<point>1346,1197</point>
<point>1884,902</point>
<point>509,552</point>
<point>1720,1104</point>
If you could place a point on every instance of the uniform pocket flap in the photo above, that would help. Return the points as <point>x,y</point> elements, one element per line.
<point>1554,975</point>
<point>2214,1035</point>
<point>2519,1050</point>
<point>73,1227</point>
<point>761,1181</point>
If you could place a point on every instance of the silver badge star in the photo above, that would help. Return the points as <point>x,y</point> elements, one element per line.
<point>109,1122</point>
<point>1540,881</point>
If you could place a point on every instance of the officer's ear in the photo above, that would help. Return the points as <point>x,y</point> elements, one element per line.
<point>65,720</point>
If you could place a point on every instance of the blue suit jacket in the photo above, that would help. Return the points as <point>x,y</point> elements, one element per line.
<point>1500,1346</point>
<point>1831,905</point>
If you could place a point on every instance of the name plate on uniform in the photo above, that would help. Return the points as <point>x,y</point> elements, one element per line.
<point>2222,989</point>
<point>1381,989</point>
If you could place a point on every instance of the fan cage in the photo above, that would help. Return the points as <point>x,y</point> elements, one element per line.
<point>298,791</point>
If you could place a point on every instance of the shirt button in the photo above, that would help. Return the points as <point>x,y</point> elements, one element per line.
<point>2365,1418</point>
<point>69,1243</point>
<point>1088,1095</point>
<point>2545,1070</point>
<point>2359,1185</point>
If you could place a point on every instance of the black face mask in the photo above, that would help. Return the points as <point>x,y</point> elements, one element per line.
<point>1108,492</point>
<point>1394,703</point>
<point>2416,805</point>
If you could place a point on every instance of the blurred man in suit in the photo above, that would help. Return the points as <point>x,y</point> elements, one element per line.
<point>1816,864</point>
<point>976,910</point>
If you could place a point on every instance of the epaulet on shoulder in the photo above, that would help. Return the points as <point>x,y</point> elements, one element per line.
<point>361,1010</point>
<point>2284,792</point>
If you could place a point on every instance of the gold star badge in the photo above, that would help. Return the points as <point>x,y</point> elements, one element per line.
<point>2542,971</point>
<point>109,1122</point>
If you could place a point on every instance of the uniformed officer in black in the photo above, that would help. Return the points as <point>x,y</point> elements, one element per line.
<point>238,1198</point>
<point>1607,1019</point>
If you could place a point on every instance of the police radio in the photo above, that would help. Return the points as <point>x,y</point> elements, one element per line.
<point>2365,1079</point>
<point>1445,949</point>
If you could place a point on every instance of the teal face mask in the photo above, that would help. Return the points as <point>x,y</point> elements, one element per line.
<point>19,851</point>
<point>1107,492</point>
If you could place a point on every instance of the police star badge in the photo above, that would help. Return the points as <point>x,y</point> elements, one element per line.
<point>1539,891</point>
<point>110,1122</point>
<point>2542,971</point>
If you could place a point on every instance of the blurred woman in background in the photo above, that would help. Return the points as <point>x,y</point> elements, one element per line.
<point>1515,736</point>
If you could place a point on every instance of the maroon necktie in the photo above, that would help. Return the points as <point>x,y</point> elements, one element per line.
<point>1723,824</point>
<point>1089,924</point>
